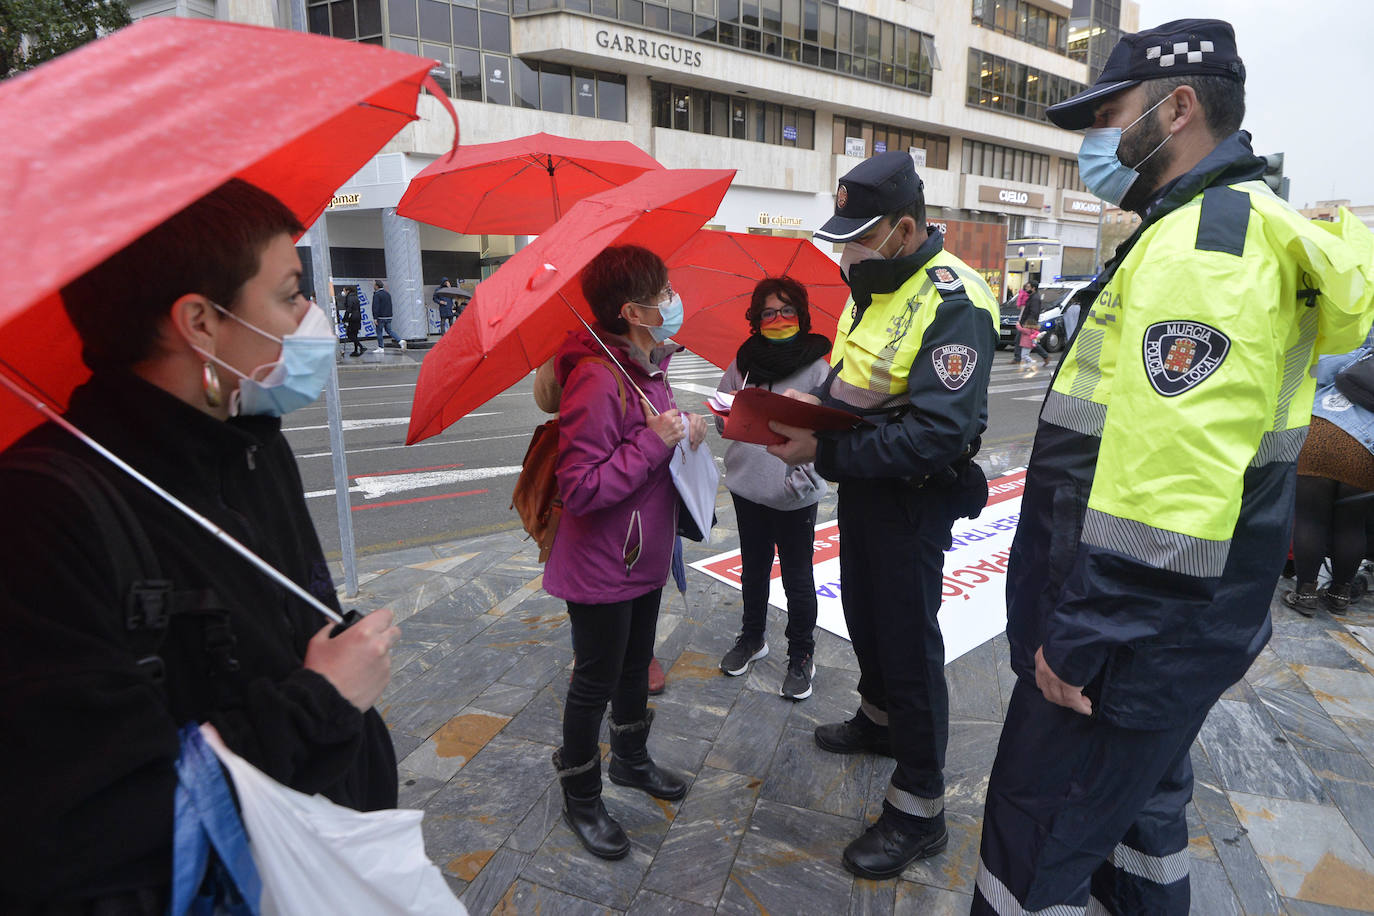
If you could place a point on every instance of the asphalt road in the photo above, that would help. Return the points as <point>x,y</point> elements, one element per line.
<point>458,484</point>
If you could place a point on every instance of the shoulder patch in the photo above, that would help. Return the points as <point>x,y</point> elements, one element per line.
<point>954,364</point>
<point>945,279</point>
<point>1224,220</point>
<point>1180,355</point>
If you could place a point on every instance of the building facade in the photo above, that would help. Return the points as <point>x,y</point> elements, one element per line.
<point>791,93</point>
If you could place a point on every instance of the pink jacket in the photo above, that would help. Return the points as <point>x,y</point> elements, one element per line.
<point>615,539</point>
<point>1028,336</point>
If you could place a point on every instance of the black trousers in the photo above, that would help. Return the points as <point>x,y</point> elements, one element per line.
<point>1329,521</point>
<point>793,533</point>
<point>892,551</point>
<point>1077,807</point>
<point>613,645</point>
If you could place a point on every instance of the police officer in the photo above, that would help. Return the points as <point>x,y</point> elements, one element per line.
<point>913,355</point>
<point>1160,489</point>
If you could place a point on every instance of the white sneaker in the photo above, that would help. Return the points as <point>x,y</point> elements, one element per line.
<point>403,343</point>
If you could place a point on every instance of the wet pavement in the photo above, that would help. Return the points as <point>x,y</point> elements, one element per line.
<point>1282,819</point>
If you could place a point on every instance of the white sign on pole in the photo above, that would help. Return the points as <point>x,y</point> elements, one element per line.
<point>973,591</point>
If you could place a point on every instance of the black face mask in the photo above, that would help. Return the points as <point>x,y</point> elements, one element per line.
<point>877,277</point>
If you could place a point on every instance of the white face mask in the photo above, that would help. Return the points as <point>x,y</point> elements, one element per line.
<point>854,253</point>
<point>291,381</point>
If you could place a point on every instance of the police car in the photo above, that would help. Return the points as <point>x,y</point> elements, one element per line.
<point>1054,300</point>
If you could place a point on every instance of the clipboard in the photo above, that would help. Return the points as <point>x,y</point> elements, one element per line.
<point>752,408</point>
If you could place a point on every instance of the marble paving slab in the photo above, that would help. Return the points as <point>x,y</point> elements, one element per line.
<point>1309,851</point>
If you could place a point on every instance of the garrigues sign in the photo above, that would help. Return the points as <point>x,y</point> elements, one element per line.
<point>647,47</point>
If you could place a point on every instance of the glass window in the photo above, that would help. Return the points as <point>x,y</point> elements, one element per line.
<point>496,6</point>
<point>496,70</point>
<point>727,10</point>
<point>806,129</point>
<point>439,72</point>
<point>467,74</point>
<point>465,27</point>
<point>859,44</point>
<point>681,23</point>
<point>341,19</point>
<point>704,8</point>
<point>555,88</point>
<point>632,11</point>
<point>405,45</point>
<point>610,97</point>
<point>404,20</point>
<point>434,21</point>
<point>604,8</point>
<point>739,119</point>
<point>705,29</point>
<point>827,36</point>
<point>584,93</point>
<point>369,17</point>
<point>791,19</point>
<point>495,32</point>
<point>656,17</point>
<point>661,104</point>
<point>524,84</point>
<point>682,108</point>
<point>810,20</point>
<point>318,18</point>
<point>701,111</point>
<point>729,33</point>
<point>750,12</point>
<point>720,115</point>
<point>772,16</point>
<point>580,6</point>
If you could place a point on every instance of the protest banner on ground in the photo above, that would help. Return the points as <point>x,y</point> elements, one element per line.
<point>973,595</point>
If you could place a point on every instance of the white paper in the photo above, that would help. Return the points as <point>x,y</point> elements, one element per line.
<point>697,480</point>
<point>722,401</point>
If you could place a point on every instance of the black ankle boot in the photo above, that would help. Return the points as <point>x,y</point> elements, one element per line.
<point>885,849</point>
<point>584,811</point>
<point>631,765</point>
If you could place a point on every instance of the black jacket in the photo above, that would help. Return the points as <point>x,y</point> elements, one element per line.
<point>352,312</point>
<point>381,304</point>
<point>86,777</point>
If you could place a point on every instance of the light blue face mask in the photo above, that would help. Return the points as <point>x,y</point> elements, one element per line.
<point>672,318</point>
<point>1102,171</point>
<point>295,379</point>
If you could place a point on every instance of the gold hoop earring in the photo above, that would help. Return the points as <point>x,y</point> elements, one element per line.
<point>209,383</point>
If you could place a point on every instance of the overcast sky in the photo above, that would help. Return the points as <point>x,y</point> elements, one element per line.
<point>1309,79</point>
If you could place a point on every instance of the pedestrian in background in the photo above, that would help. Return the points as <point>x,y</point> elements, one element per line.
<point>775,505</point>
<point>615,539</point>
<point>381,313</point>
<point>1335,481</point>
<point>1159,495</point>
<point>352,311</point>
<point>913,354</point>
<point>445,304</point>
<point>1028,331</point>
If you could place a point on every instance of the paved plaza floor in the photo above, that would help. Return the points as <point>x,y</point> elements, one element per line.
<point>1282,819</point>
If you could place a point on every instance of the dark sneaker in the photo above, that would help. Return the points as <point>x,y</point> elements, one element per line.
<point>1336,598</point>
<point>797,684</point>
<point>857,736</point>
<point>1304,600</point>
<point>737,660</point>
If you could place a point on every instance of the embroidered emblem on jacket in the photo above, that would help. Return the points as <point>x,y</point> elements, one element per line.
<point>1180,355</point>
<point>954,364</point>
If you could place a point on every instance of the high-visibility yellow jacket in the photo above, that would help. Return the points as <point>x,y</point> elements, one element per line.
<point>1159,497</point>
<point>913,354</point>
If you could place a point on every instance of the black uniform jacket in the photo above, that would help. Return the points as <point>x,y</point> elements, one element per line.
<point>90,739</point>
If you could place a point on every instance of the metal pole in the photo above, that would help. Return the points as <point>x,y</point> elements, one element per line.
<point>225,537</point>
<point>319,259</point>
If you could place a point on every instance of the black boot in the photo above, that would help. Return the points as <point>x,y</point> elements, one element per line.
<point>859,735</point>
<point>894,842</point>
<point>631,766</point>
<point>584,811</point>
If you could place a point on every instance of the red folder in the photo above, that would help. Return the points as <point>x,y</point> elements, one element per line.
<point>747,419</point>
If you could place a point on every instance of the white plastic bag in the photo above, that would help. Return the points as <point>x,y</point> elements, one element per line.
<point>318,857</point>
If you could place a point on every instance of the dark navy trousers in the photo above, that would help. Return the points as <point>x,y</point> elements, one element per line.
<point>893,539</point>
<point>1085,815</point>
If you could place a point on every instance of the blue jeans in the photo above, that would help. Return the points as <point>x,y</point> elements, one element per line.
<point>384,325</point>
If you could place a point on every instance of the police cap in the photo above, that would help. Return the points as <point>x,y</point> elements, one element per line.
<point>1184,47</point>
<point>873,188</point>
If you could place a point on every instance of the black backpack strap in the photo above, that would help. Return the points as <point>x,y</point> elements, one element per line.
<point>150,600</point>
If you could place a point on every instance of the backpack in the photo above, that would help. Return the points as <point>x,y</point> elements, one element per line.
<point>536,498</point>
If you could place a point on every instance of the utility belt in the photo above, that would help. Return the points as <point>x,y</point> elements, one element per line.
<point>951,473</point>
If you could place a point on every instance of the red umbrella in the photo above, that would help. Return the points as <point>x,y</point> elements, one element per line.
<point>113,138</point>
<point>716,272</point>
<point>522,312</point>
<point>521,186</point>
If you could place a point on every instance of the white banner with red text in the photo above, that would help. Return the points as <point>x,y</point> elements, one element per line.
<point>973,591</point>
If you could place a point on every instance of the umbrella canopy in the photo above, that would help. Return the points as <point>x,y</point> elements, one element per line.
<point>521,186</point>
<point>716,272</point>
<point>521,313</point>
<point>110,140</point>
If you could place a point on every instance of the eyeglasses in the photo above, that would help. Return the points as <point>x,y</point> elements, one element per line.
<point>664,296</point>
<point>787,311</point>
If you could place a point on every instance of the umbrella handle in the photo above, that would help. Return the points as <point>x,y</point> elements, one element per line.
<point>266,568</point>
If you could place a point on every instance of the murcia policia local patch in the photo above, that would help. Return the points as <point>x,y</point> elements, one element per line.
<point>1179,355</point>
<point>954,364</point>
